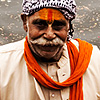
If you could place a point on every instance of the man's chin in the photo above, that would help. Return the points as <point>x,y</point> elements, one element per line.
<point>47,55</point>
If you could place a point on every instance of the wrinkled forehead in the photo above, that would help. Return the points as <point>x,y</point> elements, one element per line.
<point>49,14</point>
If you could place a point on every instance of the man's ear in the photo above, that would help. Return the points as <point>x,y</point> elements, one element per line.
<point>24,19</point>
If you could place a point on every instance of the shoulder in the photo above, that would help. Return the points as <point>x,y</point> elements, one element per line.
<point>95,55</point>
<point>19,45</point>
<point>95,48</point>
<point>11,54</point>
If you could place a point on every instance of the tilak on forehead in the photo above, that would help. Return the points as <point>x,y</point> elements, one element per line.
<point>50,15</point>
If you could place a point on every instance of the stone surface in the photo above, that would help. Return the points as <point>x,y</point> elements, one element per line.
<point>86,24</point>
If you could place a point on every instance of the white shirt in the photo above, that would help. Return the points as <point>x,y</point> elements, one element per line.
<point>16,83</point>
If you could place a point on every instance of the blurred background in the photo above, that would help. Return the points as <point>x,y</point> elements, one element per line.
<point>86,24</point>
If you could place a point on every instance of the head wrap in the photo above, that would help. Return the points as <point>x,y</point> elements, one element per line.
<point>67,7</point>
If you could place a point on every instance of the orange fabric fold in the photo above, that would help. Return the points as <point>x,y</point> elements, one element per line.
<point>79,61</point>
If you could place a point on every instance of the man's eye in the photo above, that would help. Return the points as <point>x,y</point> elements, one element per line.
<point>57,28</point>
<point>41,27</point>
<point>57,25</point>
<point>40,24</point>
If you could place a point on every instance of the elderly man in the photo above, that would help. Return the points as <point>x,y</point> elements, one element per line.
<point>48,64</point>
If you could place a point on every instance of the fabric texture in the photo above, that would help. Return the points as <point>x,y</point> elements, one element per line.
<point>16,82</point>
<point>79,62</point>
<point>67,7</point>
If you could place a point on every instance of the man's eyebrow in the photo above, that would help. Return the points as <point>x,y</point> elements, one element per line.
<point>56,22</point>
<point>37,21</point>
<point>60,22</point>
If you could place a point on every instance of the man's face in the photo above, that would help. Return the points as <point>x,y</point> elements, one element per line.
<point>47,32</point>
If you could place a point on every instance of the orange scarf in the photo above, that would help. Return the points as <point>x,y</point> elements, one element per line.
<point>78,60</point>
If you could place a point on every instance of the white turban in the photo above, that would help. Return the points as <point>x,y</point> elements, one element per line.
<point>67,7</point>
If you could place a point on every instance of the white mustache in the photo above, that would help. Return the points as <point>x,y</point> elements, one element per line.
<point>42,41</point>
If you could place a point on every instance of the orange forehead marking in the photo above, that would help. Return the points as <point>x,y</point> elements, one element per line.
<point>50,14</point>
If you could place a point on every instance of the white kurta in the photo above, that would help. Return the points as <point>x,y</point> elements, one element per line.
<point>16,83</point>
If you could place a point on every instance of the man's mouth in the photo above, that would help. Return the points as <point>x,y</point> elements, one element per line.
<point>48,48</point>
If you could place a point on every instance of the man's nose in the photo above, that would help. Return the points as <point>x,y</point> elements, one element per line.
<point>49,33</point>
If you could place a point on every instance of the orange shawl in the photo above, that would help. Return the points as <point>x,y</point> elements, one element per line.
<point>78,60</point>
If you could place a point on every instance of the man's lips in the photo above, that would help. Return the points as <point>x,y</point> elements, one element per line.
<point>48,48</point>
